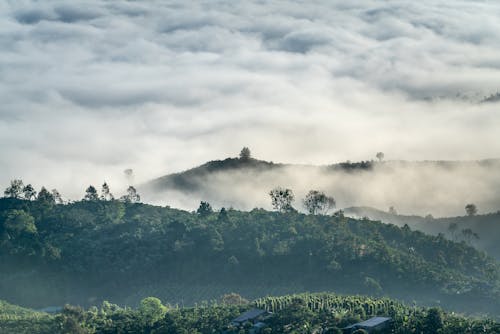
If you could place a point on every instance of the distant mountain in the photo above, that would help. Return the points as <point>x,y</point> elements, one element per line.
<point>487,227</point>
<point>440,188</point>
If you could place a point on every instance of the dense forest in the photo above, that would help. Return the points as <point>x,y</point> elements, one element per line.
<point>479,230</point>
<point>119,250</point>
<point>299,314</point>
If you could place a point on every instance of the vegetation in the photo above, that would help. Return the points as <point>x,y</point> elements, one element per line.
<point>303,313</point>
<point>92,250</point>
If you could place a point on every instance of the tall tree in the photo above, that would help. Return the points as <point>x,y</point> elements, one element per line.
<point>106,194</point>
<point>132,196</point>
<point>15,189</point>
<point>245,154</point>
<point>380,156</point>
<point>281,199</point>
<point>57,196</point>
<point>91,194</point>
<point>29,192</point>
<point>470,209</point>
<point>204,209</point>
<point>317,202</point>
<point>45,196</point>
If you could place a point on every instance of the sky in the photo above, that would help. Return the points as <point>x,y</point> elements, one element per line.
<point>90,88</point>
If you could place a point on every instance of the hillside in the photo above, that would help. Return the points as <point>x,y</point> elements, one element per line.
<point>487,226</point>
<point>88,251</point>
<point>299,313</point>
<point>440,188</point>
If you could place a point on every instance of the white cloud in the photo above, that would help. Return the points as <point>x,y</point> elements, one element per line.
<point>91,88</point>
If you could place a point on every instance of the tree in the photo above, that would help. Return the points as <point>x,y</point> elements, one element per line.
<point>91,194</point>
<point>45,196</point>
<point>106,195</point>
<point>317,202</point>
<point>15,189</point>
<point>380,156</point>
<point>392,211</point>
<point>29,192</point>
<point>204,209</point>
<point>468,235</point>
<point>132,196</point>
<point>470,209</point>
<point>152,310</point>
<point>245,154</point>
<point>452,228</point>
<point>433,322</point>
<point>281,199</point>
<point>18,222</point>
<point>57,196</point>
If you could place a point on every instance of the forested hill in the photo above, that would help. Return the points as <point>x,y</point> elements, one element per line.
<point>88,251</point>
<point>440,188</point>
<point>482,231</point>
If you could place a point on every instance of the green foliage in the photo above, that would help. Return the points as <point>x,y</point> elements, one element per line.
<point>152,310</point>
<point>128,251</point>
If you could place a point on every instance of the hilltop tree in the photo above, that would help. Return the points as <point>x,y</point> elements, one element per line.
<point>29,192</point>
<point>45,196</point>
<point>15,189</point>
<point>245,154</point>
<point>57,196</point>
<point>204,209</point>
<point>106,194</point>
<point>380,156</point>
<point>317,202</point>
<point>132,196</point>
<point>392,211</point>
<point>91,194</point>
<point>281,199</point>
<point>470,209</point>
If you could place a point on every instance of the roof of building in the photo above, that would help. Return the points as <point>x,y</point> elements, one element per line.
<point>373,322</point>
<point>249,315</point>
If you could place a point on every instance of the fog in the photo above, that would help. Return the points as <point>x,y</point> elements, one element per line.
<point>91,88</point>
<point>440,189</point>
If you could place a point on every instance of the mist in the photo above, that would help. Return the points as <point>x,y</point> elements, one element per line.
<point>91,89</point>
<point>437,188</point>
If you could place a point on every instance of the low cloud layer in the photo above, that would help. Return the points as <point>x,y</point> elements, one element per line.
<point>91,88</point>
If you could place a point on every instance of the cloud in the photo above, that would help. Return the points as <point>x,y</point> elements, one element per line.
<point>91,88</point>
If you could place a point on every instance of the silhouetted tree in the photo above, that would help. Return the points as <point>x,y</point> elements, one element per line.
<point>132,196</point>
<point>222,215</point>
<point>45,196</point>
<point>317,202</point>
<point>106,195</point>
<point>392,211</point>
<point>29,192</point>
<point>380,156</point>
<point>15,189</point>
<point>470,209</point>
<point>281,199</point>
<point>91,194</point>
<point>245,154</point>
<point>204,209</point>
